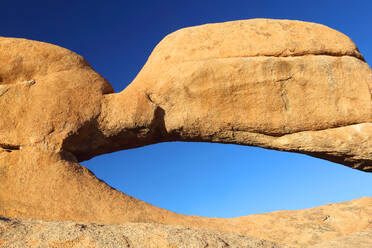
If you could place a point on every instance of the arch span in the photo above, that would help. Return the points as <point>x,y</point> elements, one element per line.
<point>309,92</point>
<point>278,84</point>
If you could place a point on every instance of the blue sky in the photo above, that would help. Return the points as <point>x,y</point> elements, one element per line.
<point>116,37</point>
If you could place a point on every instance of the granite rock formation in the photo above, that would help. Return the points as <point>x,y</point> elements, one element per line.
<point>308,92</point>
<point>341,225</point>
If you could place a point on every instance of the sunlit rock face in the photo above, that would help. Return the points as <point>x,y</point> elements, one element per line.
<point>279,84</point>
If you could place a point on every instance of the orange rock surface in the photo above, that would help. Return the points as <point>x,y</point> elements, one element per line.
<point>278,84</point>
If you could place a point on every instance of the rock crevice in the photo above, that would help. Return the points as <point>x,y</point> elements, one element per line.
<point>280,56</point>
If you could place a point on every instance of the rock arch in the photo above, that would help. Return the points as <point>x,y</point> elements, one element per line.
<point>278,84</point>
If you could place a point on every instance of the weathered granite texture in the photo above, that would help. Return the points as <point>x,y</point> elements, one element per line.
<point>341,225</point>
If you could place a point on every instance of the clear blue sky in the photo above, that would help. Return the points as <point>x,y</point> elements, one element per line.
<point>116,37</point>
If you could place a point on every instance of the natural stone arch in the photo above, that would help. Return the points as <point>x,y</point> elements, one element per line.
<point>285,85</point>
<point>230,83</point>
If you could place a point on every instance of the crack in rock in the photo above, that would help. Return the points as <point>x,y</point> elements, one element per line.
<point>3,89</point>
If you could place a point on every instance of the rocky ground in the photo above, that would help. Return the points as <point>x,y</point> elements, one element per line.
<point>58,234</point>
<point>17,233</point>
<point>339,225</point>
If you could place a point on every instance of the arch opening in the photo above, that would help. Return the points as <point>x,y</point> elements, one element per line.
<point>223,180</point>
